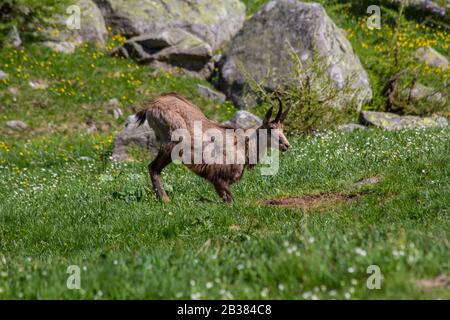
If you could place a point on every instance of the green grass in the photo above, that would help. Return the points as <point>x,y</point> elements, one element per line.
<point>80,85</point>
<point>58,210</point>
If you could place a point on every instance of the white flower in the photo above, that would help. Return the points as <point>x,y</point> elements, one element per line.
<point>398,253</point>
<point>264,292</point>
<point>306,295</point>
<point>195,296</point>
<point>361,252</point>
<point>209,285</point>
<point>351,270</point>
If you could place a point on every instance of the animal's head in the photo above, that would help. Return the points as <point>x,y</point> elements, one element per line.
<point>277,123</point>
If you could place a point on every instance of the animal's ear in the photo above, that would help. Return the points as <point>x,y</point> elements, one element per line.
<point>280,110</point>
<point>285,113</point>
<point>268,116</point>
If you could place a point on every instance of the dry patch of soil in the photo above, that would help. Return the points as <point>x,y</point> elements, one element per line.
<point>440,281</point>
<point>312,201</point>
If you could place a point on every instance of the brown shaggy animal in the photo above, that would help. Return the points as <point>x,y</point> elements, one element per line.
<point>170,112</point>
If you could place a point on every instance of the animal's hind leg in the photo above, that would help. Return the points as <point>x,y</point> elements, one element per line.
<point>162,159</point>
<point>223,190</point>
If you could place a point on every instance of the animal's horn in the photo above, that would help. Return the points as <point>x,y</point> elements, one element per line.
<point>285,113</point>
<point>280,110</point>
<point>268,116</point>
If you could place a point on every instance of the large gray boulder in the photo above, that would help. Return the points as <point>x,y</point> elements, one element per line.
<point>392,121</point>
<point>427,6</point>
<point>262,43</point>
<point>431,57</point>
<point>59,37</point>
<point>142,136</point>
<point>243,120</point>
<point>419,92</point>
<point>210,20</point>
<point>210,93</point>
<point>171,48</point>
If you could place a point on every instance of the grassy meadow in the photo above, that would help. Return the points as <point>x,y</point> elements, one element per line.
<point>63,202</point>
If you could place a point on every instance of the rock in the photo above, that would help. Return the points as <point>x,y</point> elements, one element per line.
<point>60,38</point>
<point>142,136</point>
<point>212,21</point>
<point>38,84</point>
<point>113,106</point>
<point>419,92</point>
<point>85,158</point>
<point>262,43</point>
<point>431,57</point>
<point>93,26</point>
<point>349,127</point>
<point>3,75</point>
<point>62,47</point>
<point>113,103</point>
<point>392,121</point>
<point>16,125</point>
<point>14,39</point>
<point>366,182</point>
<point>170,49</point>
<point>117,113</point>
<point>243,120</point>
<point>424,5</point>
<point>210,93</point>
<point>13,91</point>
<point>92,128</point>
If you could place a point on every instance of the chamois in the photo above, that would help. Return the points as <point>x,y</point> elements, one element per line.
<point>170,112</point>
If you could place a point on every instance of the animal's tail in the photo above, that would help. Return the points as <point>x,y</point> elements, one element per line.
<point>141,116</point>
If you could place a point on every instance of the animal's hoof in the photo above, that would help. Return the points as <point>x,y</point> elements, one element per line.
<point>229,200</point>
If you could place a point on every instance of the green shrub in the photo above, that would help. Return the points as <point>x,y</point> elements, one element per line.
<point>27,15</point>
<point>311,92</point>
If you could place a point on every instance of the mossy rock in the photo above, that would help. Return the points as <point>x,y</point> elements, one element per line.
<point>261,49</point>
<point>392,121</point>
<point>210,20</point>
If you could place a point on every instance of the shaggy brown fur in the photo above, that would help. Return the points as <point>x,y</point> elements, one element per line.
<point>170,112</point>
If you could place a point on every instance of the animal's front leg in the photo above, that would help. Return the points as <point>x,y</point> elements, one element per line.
<point>222,189</point>
<point>155,168</point>
<point>157,186</point>
<point>230,198</point>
